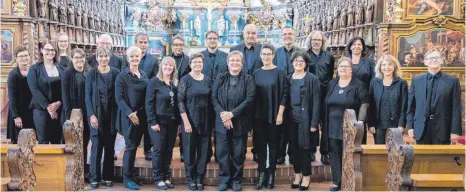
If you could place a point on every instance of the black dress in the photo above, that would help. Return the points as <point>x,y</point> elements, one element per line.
<point>64,61</point>
<point>19,98</point>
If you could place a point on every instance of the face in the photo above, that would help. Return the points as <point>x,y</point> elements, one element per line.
<point>49,52</point>
<point>197,64</point>
<point>78,61</point>
<point>142,43</point>
<point>167,68</point>
<point>267,56</point>
<point>235,63</point>
<point>387,68</point>
<point>250,35</point>
<point>356,48</point>
<point>23,58</point>
<point>134,58</point>
<point>299,64</point>
<point>106,42</point>
<point>178,47</point>
<point>212,41</point>
<point>433,60</point>
<point>63,42</point>
<point>288,36</point>
<point>316,41</point>
<point>103,59</point>
<point>344,69</point>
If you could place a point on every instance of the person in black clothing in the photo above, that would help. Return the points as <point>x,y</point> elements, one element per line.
<point>64,49</point>
<point>434,104</point>
<point>44,80</point>
<point>270,100</point>
<point>344,92</point>
<point>303,110</point>
<point>363,66</point>
<point>322,64</point>
<point>388,95</point>
<point>182,67</point>
<point>163,118</point>
<point>232,97</point>
<point>101,112</point>
<point>19,96</point>
<point>130,89</point>
<point>115,61</point>
<point>195,103</point>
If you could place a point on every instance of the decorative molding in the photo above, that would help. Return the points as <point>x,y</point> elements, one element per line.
<point>20,8</point>
<point>440,21</point>
<point>351,179</point>
<point>21,160</point>
<point>73,134</point>
<point>400,161</point>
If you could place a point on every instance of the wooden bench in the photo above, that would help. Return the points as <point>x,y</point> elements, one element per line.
<point>56,167</point>
<point>437,182</point>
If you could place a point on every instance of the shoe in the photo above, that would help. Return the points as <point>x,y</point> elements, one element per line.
<point>313,157</point>
<point>192,186</point>
<point>335,188</point>
<point>87,178</point>
<point>271,183</point>
<point>280,160</point>
<point>261,181</point>
<point>115,157</point>
<point>108,183</point>
<point>255,157</point>
<point>325,160</point>
<point>148,156</point>
<point>302,188</point>
<point>294,186</point>
<point>222,187</point>
<point>131,185</point>
<point>199,184</point>
<point>160,185</point>
<point>138,182</point>
<point>169,184</point>
<point>94,185</point>
<point>181,157</point>
<point>236,187</point>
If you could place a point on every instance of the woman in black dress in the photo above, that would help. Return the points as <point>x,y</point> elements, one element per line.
<point>303,112</point>
<point>344,92</point>
<point>164,119</point>
<point>388,94</point>
<point>362,66</point>
<point>101,112</point>
<point>19,96</point>
<point>232,97</point>
<point>44,80</point>
<point>270,100</point>
<point>64,49</point>
<point>130,92</point>
<point>194,101</point>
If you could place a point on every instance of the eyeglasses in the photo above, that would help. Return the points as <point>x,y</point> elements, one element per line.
<point>212,39</point>
<point>266,54</point>
<point>434,58</point>
<point>63,41</point>
<point>299,61</point>
<point>344,66</point>
<point>316,40</point>
<point>235,61</point>
<point>78,57</point>
<point>287,34</point>
<point>22,56</point>
<point>177,45</point>
<point>49,50</point>
<point>197,62</point>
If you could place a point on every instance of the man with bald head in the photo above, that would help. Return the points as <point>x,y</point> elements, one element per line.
<point>115,61</point>
<point>250,49</point>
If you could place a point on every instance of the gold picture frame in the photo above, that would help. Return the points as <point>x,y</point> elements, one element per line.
<point>429,8</point>
<point>5,8</point>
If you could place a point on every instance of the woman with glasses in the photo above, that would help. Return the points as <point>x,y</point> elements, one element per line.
<point>270,100</point>
<point>19,95</point>
<point>64,49</point>
<point>44,80</point>
<point>101,112</point>
<point>303,112</point>
<point>344,92</point>
<point>163,118</point>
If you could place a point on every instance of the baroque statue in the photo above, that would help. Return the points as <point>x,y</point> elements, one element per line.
<point>53,5</point>
<point>71,17</point>
<point>63,13</point>
<point>369,11</point>
<point>41,8</point>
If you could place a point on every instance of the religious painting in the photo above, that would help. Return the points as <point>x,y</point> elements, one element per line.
<point>430,7</point>
<point>6,46</point>
<point>450,43</point>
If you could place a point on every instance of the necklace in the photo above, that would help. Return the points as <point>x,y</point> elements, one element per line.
<point>171,94</point>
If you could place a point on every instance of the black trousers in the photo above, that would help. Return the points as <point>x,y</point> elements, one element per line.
<point>379,136</point>
<point>180,143</point>
<point>231,155</point>
<point>336,156</point>
<point>129,156</point>
<point>430,135</point>
<point>48,130</point>
<point>147,141</point>
<point>301,156</point>
<point>195,150</point>
<point>284,140</point>
<point>162,150</point>
<point>267,135</point>
<point>106,142</point>
<point>86,138</point>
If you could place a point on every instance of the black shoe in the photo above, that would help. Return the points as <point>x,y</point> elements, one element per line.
<point>237,187</point>
<point>138,182</point>
<point>115,157</point>
<point>313,157</point>
<point>148,156</point>
<point>87,178</point>
<point>294,186</point>
<point>302,188</point>
<point>108,183</point>
<point>94,185</point>
<point>335,188</point>
<point>271,183</point>
<point>161,185</point>
<point>280,160</point>
<point>255,157</point>
<point>181,157</point>
<point>260,181</point>
<point>325,160</point>
<point>169,184</point>
<point>192,186</point>
<point>222,187</point>
<point>199,185</point>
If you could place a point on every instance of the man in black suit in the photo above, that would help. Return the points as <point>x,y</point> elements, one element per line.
<point>115,61</point>
<point>215,60</point>
<point>250,49</point>
<point>149,64</point>
<point>434,104</point>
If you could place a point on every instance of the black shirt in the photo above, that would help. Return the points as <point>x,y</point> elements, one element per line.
<point>249,56</point>
<point>160,103</point>
<point>295,99</point>
<point>81,83</point>
<point>336,108</point>
<point>64,61</point>
<point>384,120</point>
<point>55,85</point>
<point>432,81</point>
<point>104,84</point>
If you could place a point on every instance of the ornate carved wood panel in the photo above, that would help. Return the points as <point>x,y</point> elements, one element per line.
<point>21,160</point>
<point>400,161</point>
<point>73,133</point>
<point>351,179</point>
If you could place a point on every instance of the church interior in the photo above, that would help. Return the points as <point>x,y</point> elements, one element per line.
<point>405,29</point>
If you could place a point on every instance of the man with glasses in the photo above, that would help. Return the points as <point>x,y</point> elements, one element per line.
<point>115,61</point>
<point>434,104</point>
<point>322,65</point>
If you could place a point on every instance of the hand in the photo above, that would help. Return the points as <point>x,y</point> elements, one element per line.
<point>53,115</point>
<point>226,116</point>
<point>279,119</point>
<point>179,129</point>
<point>313,129</point>
<point>134,118</point>
<point>402,129</point>
<point>228,124</point>
<point>188,128</point>
<point>53,106</point>
<point>18,122</point>
<point>155,127</point>
<point>454,137</point>
<point>372,130</point>
<point>411,133</point>
<point>94,122</point>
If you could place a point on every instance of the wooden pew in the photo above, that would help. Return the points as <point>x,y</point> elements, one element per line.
<point>57,167</point>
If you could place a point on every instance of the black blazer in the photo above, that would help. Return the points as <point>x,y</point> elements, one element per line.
<point>115,61</point>
<point>280,59</point>
<point>310,116</point>
<point>244,101</point>
<point>447,106</point>
<point>398,101</point>
<point>219,63</point>
<point>38,81</point>
<point>182,68</point>
<point>256,57</point>
<point>69,94</point>
<point>150,65</point>
<point>365,70</point>
<point>324,67</point>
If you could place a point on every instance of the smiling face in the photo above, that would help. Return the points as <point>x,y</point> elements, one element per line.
<point>345,69</point>
<point>23,58</point>
<point>78,61</point>
<point>142,43</point>
<point>107,42</point>
<point>212,41</point>
<point>63,42</point>
<point>197,64</point>
<point>299,64</point>
<point>356,47</point>
<point>235,63</point>
<point>316,41</point>
<point>288,36</point>
<point>434,60</point>
<point>267,56</point>
<point>134,58</point>
<point>178,46</point>
<point>250,35</point>
<point>49,52</point>
<point>103,60</point>
<point>387,67</point>
<point>168,67</point>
